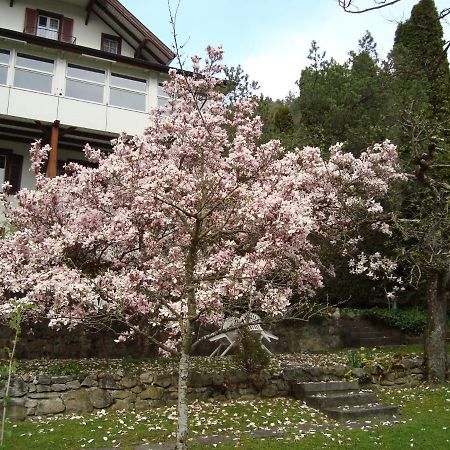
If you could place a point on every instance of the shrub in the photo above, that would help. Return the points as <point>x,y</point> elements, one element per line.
<point>412,321</point>
<point>250,353</point>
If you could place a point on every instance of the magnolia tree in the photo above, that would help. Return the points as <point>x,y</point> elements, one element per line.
<point>186,223</point>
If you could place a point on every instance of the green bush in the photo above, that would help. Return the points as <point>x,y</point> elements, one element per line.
<point>250,353</point>
<point>412,321</point>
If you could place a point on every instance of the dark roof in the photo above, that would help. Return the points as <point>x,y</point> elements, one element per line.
<point>147,46</point>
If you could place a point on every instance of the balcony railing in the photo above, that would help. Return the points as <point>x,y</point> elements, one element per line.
<point>48,33</point>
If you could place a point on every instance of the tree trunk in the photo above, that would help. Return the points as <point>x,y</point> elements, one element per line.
<point>182,431</point>
<point>436,331</point>
<point>187,326</point>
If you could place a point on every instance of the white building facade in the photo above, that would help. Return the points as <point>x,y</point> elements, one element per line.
<point>72,72</point>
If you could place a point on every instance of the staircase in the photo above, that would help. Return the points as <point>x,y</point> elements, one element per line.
<point>342,400</point>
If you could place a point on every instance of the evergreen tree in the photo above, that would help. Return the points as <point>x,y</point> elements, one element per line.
<point>422,71</point>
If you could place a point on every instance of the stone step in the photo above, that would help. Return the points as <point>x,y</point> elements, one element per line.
<point>357,412</point>
<point>334,399</point>
<point>302,390</point>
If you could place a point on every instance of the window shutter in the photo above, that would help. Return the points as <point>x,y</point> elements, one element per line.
<point>67,30</point>
<point>30,21</point>
<point>14,172</point>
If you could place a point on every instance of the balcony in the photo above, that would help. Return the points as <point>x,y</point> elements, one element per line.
<point>52,34</point>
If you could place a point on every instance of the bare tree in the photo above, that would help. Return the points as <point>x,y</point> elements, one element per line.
<point>353,7</point>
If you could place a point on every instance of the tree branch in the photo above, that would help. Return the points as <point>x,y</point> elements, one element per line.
<point>349,7</point>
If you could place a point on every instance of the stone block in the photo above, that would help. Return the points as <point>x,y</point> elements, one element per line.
<point>77,401</point>
<point>17,388</point>
<point>50,406</point>
<point>108,382</point>
<point>237,376</point>
<point>358,372</point>
<point>294,374</point>
<point>61,379</point>
<point>391,376</point>
<point>43,388</point>
<point>99,398</point>
<point>89,381</point>
<point>75,384</point>
<point>152,393</point>
<point>44,379</point>
<point>30,403</point>
<point>269,391</point>
<point>59,387</point>
<point>120,395</point>
<point>163,380</point>
<point>146,377</point>
<point>41,395</point>
<point>314,372</point>
<point>218,379</point>
<point>129,382</point>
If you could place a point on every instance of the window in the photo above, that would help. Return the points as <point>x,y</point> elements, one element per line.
<point>48,27</point>
<point>33,73</point>
<point>128,92</point>
<point>4,62</point>
<point>11,169</point>
<point>111,44</point>
<point>163,97</point>
<point>85,83</point>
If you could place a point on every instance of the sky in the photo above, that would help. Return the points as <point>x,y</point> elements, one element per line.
<point>270,39</point>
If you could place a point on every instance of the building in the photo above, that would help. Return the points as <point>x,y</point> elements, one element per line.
<point>72,72</point>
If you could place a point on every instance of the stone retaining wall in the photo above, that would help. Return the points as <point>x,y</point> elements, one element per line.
<point>42,394</point>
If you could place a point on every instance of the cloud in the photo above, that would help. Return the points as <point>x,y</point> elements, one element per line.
<point>277,66</point>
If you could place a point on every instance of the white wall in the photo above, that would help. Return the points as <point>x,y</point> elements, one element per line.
<point>13,18</point>
<point>52,106</point>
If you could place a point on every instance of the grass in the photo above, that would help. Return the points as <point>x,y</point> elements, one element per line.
<point>425,424</point>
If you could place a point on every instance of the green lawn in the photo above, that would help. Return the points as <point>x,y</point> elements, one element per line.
<point>425,424</point>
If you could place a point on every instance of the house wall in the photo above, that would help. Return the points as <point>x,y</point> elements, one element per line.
<point>47,107</point>
<point>13,18</point>
<point>22,104</point>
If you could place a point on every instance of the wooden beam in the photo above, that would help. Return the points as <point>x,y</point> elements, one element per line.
<point>14,138</point>
<point>89,10</point>
<point>127,31</point>
<point>31,134</point>
<point>138,51</point>
<point>52,168</point>
<point>18,123</point>
<point>64,131</point>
